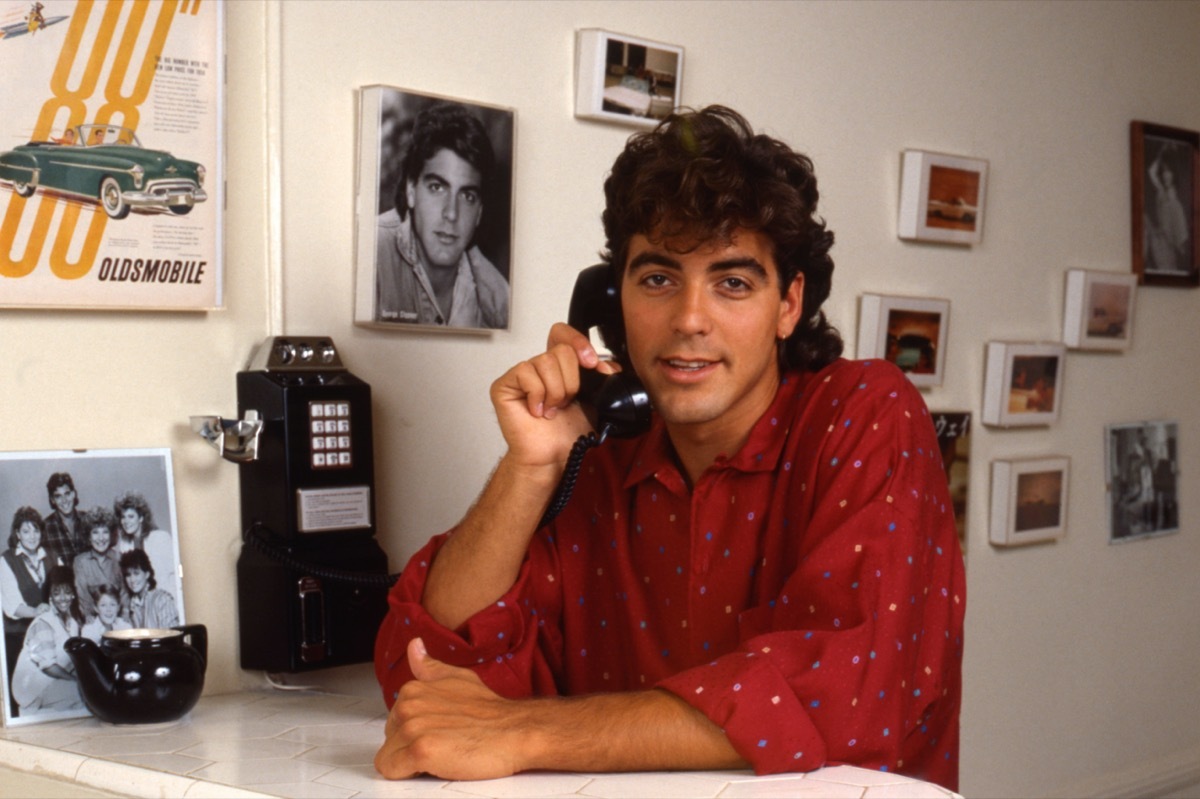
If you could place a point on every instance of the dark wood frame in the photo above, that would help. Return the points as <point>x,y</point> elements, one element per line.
<point>1138,131</point>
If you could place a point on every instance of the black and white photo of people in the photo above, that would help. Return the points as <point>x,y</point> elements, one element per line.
<point>90,547</point>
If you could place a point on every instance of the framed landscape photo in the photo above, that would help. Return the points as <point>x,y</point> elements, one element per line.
<point>1142,476</point>
<point>93,546</point>
<point>1022,383</point>
<point>942,197</point>
<point>911,332</point>
<point>1029,500</point>
<point>1165,183</point>
<point>1098,310</point>
<point>626,79</point>
<point>434,197</point>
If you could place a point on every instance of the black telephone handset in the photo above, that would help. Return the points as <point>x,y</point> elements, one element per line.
<point>617,405</point>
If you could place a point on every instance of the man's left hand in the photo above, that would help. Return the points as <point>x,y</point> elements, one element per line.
<point>449,724</point>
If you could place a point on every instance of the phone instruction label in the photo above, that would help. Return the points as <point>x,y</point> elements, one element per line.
<point>343,508</point>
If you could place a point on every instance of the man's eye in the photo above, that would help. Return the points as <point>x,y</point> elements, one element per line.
<point>470,197</point>
<point>655,281</point>
<point>735,284</point>
<point>435,187</point>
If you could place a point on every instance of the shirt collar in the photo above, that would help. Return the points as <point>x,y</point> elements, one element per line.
<point>464,305</point>
<point>655,456</point>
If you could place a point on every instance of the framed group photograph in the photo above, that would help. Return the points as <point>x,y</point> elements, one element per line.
<point>911,332</point>
<point>1022,383</point>
<point>942,197</point>
<point>434,197</point>
<point>1165,183</point>
<point>1142,474</point>
<point>1029,500</point>
<point>93,547</point>
<point>625,79</point>
<point>1098,310</point>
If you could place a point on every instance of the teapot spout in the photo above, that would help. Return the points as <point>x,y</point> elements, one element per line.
<point>93,679</point>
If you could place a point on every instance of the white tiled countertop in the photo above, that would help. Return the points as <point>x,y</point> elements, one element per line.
<point>307,744</point>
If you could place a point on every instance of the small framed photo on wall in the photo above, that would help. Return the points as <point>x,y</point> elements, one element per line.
<point>911,332</point>
<point>1098,310</point>
<point>1029,500</point>
<point>1142,473</point>
<point>626,79</point>
<point>942,197</point>
<point>1022,383</point>
<point>1165,182</point>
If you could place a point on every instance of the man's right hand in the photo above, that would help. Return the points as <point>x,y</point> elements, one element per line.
<point>534,400</point>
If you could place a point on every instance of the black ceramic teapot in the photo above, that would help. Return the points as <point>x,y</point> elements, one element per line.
<point>141,676</point>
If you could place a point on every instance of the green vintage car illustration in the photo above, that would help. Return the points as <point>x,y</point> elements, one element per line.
<point>106,164</point>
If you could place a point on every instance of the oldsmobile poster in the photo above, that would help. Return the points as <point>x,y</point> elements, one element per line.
<point>111,161</point>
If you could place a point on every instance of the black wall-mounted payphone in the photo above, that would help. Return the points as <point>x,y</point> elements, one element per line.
<point>312,581</point>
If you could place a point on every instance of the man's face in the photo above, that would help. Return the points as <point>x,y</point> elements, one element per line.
<point>64,499</point>
<point>447,203</point>
<point>702,326</point>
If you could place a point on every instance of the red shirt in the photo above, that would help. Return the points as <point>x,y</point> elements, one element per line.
<point>807,595</point>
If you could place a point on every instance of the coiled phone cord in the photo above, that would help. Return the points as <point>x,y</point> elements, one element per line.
<point>257,538</point>
<point>566,485</point>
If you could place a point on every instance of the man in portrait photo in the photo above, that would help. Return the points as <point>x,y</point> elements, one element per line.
<point>429,267</point>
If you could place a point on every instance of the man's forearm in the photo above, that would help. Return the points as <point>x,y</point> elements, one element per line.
<point>643,731</point>
<point>481,560</point>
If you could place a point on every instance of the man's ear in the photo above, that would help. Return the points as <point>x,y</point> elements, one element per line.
<point>410,194</point>
<point>791,307</point>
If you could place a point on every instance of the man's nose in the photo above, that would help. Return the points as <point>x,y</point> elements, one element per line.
<point>450,209</point>
<point>691,311</point>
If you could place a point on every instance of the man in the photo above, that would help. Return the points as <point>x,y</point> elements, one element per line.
<point>65,534</point>
<point>427,271</point>
<point>770,577</point>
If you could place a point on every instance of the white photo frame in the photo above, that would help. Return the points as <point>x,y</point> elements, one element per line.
<point>396,223</point>
<point>942,197</point>
<point>1029,500</point>
<point>99,480</point>
<point>1023,383</point>
<point>626,79</point>
<point>1098,310</point>
<point>1142,479</point>
<point>910,332</point>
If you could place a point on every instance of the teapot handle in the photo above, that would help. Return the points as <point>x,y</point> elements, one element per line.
<point>199,638</point>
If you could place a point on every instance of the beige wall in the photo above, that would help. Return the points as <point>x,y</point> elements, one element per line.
<point>1081,656</point>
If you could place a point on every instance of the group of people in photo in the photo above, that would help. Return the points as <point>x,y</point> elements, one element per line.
<point>75,572</point>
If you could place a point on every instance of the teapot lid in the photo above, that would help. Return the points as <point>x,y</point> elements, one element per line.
<point>142,634</point>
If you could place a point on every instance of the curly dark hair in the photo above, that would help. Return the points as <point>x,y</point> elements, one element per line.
<point>445,126</point>
<point>701,175</point>
<point>99,516</point>
<point>138,559</point>
<point>25,514</point>
<point>134,500</point>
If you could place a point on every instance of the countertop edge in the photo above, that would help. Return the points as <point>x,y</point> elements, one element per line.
<point>106,775</point>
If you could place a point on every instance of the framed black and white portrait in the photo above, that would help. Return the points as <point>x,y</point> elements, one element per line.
<point>1165,181</point>
<point>434,212</point>
<point>92,547</point>
<point>1142,476</point>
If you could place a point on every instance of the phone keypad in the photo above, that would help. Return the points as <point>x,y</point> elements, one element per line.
<point>329,434</point>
